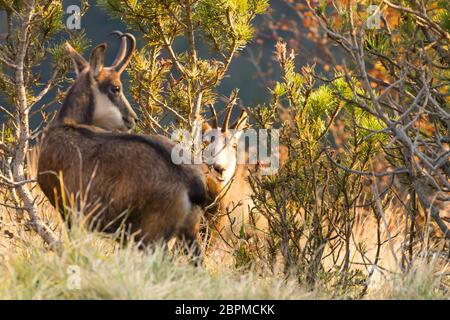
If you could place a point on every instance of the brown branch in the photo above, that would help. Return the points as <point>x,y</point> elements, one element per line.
<point>367,173</point>
<point>428,205</point>
<point>420,16</point>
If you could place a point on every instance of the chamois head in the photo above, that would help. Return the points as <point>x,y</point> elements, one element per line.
<point>96,97</point>
<point>222,155</point>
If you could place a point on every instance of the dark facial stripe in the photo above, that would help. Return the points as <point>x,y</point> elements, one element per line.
<point>90,109</point>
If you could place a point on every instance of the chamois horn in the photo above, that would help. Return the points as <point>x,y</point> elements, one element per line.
<point>214,116</point>
<point>132,47</point>
<point>227,118</point>
<point>122,49</point>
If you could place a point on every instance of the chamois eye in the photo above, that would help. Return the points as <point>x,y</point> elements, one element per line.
<point>115,90</point>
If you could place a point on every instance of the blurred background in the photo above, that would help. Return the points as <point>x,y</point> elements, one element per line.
<point>253,71</point>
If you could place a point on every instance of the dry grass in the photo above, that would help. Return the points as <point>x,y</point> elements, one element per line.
<point>107,271</point>
<point>28,270</point>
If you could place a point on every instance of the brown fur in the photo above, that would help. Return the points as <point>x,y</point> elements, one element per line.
<point>150,191</point>
<point>230,203</point>
<point>232,211</point>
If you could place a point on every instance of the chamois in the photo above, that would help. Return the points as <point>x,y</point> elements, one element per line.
<point>228,190</point>
<point>131,176</point>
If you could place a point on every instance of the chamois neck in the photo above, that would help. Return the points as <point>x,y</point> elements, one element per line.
<point>78,106</point>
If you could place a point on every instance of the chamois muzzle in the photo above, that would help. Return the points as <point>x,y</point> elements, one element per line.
<point>130,122</point>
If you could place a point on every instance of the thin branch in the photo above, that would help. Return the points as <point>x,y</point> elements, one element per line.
<point>22,133</point>
<point>367,173</point>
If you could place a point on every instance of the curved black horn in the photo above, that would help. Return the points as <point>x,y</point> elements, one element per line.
<point>214,116</point>
<point>131,49</point>
<point>122,49</point>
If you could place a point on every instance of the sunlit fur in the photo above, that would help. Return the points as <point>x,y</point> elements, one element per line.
<point>229,192</point>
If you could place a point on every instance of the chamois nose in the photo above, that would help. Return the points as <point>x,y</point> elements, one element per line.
<point>218,168</point>
<point>130,122</point>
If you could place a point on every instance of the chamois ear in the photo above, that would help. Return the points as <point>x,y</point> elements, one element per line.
<point>97,59</point>
<point>205,126</point>
<point>242,122</point>
<point>79,63</point>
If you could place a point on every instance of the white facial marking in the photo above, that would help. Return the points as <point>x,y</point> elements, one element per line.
<point>223,155</point>
<point>106,114</point>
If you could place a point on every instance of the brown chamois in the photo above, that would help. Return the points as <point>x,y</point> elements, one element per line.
<point>228,190</point>
<point>131,176</point>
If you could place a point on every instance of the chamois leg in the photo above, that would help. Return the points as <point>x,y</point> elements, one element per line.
<point>194,247</point>
<point>189,233</point>
<point>148,246</point>
<point>189,245</point>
